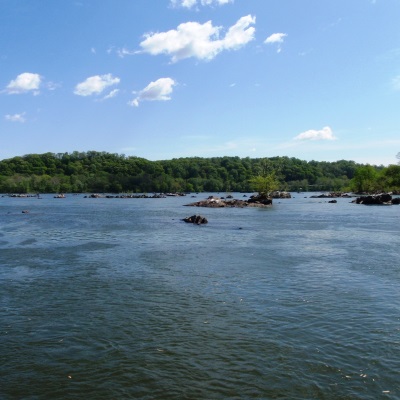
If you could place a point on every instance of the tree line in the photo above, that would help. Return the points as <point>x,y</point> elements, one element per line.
<point>92,171</point>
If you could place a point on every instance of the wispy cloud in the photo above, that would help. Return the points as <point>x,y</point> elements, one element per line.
<point>52,85</point>
<point>335,23</point>
<point>192,3</point>
<point>112,94</point>
<point>201,41</point>
<point>160,90</point>
<point>25,83</point>
<point>15,117</point>
<point>276,38</point>
<point>396,82</point>
<point>95,85</point>
<point>125,52</point>
<point>208,144</point>
<point>325,133</point>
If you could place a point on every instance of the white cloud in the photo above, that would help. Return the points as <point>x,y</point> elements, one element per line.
<point>277,38</point>
<point>323,134</point>
<point>95,84</point>
<point>23,83</point>
<point>159,90</point>
<point>396,82</point>
<point>125,52</point>
<point>217,2</point>
<point>112,94</point>
<point>183,3</point>
<point>15,117</point>
<point>192,3</point>
<point>52,86</point>
<point>201,41</point>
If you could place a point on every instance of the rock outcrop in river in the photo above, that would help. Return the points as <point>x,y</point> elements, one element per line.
<point>378,199</point>
<point>332,195</point>
<point>196,219</point>
<point>281,195</point>
<point>216,202</point>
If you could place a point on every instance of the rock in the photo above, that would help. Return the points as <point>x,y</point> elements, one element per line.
<point>211,201</point>
<point>175,194</point>
<point>379,199</point>
<point>332,201</point>
<point>196,219</point>
<point>260,199</point>
<point>396,200</point>
<point>25,211</point>
<point>281,195</point>
<point>330,195</point>
<point>216,202</point>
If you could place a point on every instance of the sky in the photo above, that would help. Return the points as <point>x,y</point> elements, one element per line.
<point>162,79</point>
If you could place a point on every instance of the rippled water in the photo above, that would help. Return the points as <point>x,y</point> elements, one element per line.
<point>120,299</point>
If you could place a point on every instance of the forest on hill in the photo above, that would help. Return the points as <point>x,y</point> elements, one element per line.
<point>102,172</point>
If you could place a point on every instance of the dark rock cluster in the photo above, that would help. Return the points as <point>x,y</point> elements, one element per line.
<point>216,202</point>
<point>260,199</point>
<point>332,195</point>
<point>378,199</point>
<point>196,219</point>
<point>281,195</point>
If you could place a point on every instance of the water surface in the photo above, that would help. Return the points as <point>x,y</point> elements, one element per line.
<point>120,299</point>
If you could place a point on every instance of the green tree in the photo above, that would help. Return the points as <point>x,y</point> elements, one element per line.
<point>265,184</point>
<point>391,177</point>
<point>365,180</point>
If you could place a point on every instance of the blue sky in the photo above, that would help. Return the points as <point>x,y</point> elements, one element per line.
<point>161,79</point>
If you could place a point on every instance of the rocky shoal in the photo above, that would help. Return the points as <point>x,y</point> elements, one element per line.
<point>216,202</point>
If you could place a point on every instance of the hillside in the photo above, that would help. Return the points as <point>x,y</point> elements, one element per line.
<point>94,171</point>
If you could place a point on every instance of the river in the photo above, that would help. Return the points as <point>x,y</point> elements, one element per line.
<point>120,299</point>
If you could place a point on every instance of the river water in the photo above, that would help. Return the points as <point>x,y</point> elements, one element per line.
<point>120,299</point>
